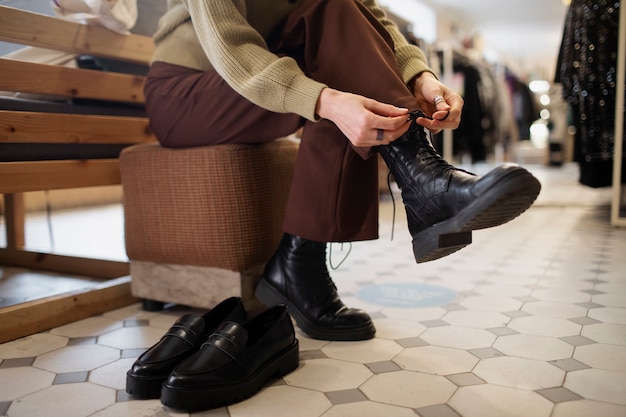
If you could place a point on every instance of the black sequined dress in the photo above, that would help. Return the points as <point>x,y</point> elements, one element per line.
<point>587,67</point>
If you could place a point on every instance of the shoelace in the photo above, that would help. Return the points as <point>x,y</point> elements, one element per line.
<point>330,255</point>
<point>425,148</point>
<point>427,153</point>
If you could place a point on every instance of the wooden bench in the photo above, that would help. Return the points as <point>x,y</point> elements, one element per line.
<point>78,122</point>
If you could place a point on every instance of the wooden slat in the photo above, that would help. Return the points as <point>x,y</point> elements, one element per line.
<point>15,219</point>
<point>36,316</point>
<point>74,265</point>
<point>39,127</point>
<point>27,28</point>
<point>27,77</point>
<point>17,177</point>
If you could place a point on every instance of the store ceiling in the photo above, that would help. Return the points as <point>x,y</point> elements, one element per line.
<point>526,33</point>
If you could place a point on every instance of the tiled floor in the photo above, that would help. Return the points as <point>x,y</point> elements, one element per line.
<point>530,320</point>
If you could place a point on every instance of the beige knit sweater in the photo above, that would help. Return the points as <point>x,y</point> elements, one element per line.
<point>228,36</point>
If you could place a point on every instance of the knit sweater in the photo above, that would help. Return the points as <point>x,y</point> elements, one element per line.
<point>228,36</point>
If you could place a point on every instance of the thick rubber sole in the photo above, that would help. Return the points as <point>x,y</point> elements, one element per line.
<point>270,296</point>
<point>143,387</point>
<point>509,197</point>
<point>206,398</point>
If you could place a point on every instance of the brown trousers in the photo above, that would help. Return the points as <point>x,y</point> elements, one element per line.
<point>334,191</point>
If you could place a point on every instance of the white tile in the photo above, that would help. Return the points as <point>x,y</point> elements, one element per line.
<point>458,337</point>
<point>112,375</point>
<point>597,384</point>
<point>491,303</point>
<point>315,374</point>
<point>77,358</point>
<point>67,400</point>
<point>613,334</point>
<point>561,295</point>
<point>394,329</point>
<point>368,409</point>
<point>610,300</point>
<point>534,347</point>
<point>417,314</point>
<point>601,356</point>
<point>503,290</point>
<point>306,343</point>
<point>375,350</point>
<point>616,287</point>
<point>476,319</point>
<point>554,310</point>
<point>545,326</point>
<point>132,337</point>
<point>30,346</point>
<point>609,315</point>
<point>152,408</point>
<point>519,373</point>
<point>436,360</point>
<point>20,381</point>
<point>408,389</point>
<point>498,401</point>
<point>282,401</point>
<point>586,408</point>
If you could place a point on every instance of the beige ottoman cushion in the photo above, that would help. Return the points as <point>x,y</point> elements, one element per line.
<point>215,206</point>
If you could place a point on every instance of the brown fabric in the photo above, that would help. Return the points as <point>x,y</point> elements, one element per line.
<point>334,193</point>
<point>219,206</point>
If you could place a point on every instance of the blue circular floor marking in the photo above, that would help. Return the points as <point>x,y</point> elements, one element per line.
<point>406,295</point>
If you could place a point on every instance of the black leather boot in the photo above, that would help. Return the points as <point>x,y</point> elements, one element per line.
<point>443,203</point>
<point>297,277</point>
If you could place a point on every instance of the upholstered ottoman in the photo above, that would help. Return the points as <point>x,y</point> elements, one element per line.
<point>200,223</point>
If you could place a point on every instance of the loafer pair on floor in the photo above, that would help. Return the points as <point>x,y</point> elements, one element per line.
<point>217,359</point>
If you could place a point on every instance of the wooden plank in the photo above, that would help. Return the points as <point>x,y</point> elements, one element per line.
<point>40,127</point>
<point>28,77</point>
<point>18,177</point>
<point>15,220</point>
<point>75,265</point>
<point>33,29</point>
<point>36,316</point>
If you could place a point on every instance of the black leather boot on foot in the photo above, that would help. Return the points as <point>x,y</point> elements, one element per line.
<point>443,203</point>
<point>183,339</point>
<point>234,363</point>
<point>297,277</point>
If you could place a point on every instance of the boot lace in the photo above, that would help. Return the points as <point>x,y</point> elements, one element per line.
<point>426,153</point>
<point>425,149</point>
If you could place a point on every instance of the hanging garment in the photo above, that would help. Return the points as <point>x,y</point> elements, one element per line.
<point>587,69</point>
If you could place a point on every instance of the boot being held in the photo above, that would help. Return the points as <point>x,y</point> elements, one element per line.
<point>443,203</point>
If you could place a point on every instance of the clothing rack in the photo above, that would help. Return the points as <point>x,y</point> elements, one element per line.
<point>616,219</point>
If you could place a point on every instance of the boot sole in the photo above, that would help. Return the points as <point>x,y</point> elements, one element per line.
<point>270,296</point>
<point>143,387</point>
<point>507,199</point>
<point>205,398</point>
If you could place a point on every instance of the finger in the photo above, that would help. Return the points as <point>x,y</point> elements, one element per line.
<point>441,115</point>
<point>388,110</point>
<point>380,135</point>
<point>437,125</point>
<point>391,123</point>
<point>440,103</point>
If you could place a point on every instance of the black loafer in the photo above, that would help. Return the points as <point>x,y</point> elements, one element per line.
<point>234,363</point>
<point>183,339</point>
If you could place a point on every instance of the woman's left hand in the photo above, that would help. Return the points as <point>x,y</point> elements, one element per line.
<point>438,101</point>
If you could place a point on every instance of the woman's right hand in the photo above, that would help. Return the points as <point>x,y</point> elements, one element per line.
<point>360,118</point>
